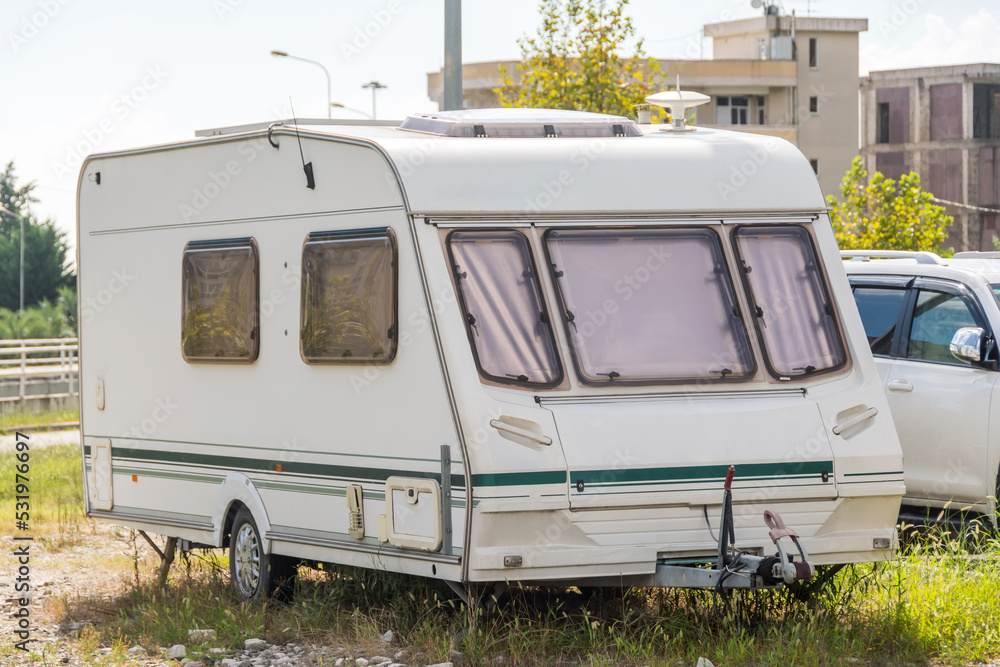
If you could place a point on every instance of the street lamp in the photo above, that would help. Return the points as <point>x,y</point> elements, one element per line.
<point>375,86</point>
<point>21,217</point>
<point>282,54</point>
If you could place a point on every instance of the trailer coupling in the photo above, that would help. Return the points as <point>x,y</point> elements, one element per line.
<point>738,569</point>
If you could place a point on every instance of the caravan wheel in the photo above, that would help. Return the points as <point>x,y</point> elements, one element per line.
<point>256,575</point>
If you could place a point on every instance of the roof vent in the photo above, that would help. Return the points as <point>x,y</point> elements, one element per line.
<point>523,123</point>
<point>677,103</point>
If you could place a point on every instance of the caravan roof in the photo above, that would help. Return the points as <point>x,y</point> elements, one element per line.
<point>698,172</point>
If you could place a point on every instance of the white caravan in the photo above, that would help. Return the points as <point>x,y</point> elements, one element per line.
<point>482,346</point>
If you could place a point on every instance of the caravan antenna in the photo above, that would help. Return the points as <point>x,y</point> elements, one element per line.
<point>307,168</point>
<point>677,104</point>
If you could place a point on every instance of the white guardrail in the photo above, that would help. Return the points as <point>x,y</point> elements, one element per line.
<point>39,368</point>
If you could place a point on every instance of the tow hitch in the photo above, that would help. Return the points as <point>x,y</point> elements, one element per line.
<point>738,569</point>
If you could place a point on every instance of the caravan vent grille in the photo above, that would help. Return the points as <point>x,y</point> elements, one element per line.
<point>522,123</point>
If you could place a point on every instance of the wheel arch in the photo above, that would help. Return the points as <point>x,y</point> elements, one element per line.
<point>236,491</point>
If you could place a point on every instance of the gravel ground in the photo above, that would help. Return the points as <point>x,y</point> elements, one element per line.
<point>98,567</point>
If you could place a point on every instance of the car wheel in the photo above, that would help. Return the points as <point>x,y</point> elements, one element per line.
<point>255,574</point>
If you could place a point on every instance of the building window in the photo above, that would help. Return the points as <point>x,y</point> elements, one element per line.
<point>348,304</point>
<point>220,301</point>
<point>814,163</point>
<point>722,110</point>
<point>739,110</point>
<point>761,110</point>
<point>813,55</point>
<point>882,130</point>
<point>813,104</point>
<point>985,110</point>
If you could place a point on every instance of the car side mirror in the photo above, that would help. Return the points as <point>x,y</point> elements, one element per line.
<point>969,344</point>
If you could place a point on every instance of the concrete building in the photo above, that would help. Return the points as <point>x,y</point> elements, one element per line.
<point>944,124</point>
<point>786,76</point>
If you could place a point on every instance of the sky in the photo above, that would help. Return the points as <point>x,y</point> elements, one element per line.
<point>93,76</point>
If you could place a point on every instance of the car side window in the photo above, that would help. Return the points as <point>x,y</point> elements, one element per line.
<point>936,318</point>
<point>879,308</point>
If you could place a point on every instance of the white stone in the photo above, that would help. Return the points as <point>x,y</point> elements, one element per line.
<point>704,662</point>
<point>200,636</point>
<point>441,664</point>
<point>137,650</point>
<point>177,652</point>
<point>388,636</point>
<point>255,644</point>
<point>361,662</point>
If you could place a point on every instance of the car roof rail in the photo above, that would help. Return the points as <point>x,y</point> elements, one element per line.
<point>977,254</point>
<point>921,257</point>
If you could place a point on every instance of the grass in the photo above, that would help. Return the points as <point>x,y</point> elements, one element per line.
<point>937,601</point>
<point>9,421</point>
<point>55,490</point>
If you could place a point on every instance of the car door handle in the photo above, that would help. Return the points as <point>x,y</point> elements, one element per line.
<point>899,385</point>
<point>854,421</point>
<point>504,427</point>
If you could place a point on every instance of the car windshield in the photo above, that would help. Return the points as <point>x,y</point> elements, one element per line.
<point>996,291</point>
<point>648,305</point>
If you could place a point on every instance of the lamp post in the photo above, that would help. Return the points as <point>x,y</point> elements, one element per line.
<point>375,86</point>
<point>21,218</point>
<point>282,54</point>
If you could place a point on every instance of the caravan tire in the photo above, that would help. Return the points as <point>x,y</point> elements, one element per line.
<point>255,574</point>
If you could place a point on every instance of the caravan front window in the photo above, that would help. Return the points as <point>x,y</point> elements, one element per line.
<point>793,310</point>
<point>505,317</point>
<point>649,305</point>
<point>220,301</point>
<point>348,309</point>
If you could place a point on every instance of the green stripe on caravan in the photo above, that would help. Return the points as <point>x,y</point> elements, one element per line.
<point>268,465</point>
<point>785,469</point>
<point>607,477</point>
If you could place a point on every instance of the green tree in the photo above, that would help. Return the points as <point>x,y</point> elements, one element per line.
<point>883,214</point>
<point>573,62</point>
<point>45,248</point>
<point>32,323</point>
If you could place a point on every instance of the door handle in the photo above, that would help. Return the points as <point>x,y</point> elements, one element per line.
<point>899,385</point>
<point>504,427</point>
<point>854,421</point>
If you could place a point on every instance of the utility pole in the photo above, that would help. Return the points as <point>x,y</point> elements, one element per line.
<point>375,86</point>
<point>452,55</point>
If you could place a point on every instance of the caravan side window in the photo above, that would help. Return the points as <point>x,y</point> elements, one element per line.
<point>507,323</point>
<point>220,301</point>
<point>348,307</point>
<point>793,310</point>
